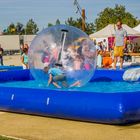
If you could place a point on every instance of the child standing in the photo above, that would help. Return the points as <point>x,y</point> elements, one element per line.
<point>24,59</point>
<point>99,59</point>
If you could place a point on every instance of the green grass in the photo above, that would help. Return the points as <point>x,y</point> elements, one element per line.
<point>5,138</point>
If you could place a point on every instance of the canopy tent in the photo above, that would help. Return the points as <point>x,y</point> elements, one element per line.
<point>109,31</point>
<point>137,28</point>
<point>137,41</point>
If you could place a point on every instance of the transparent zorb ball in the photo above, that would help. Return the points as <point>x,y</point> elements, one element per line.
<point>66,48</point>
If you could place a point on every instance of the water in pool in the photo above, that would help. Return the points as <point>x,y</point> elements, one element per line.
<point>103,87</point>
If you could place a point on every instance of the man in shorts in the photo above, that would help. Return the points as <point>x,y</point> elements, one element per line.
<point>119,43</point>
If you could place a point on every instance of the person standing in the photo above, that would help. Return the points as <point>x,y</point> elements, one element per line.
<point>22,48</point>
<point>119,43</point>
<point>1,55</point>
<point>24,59</point>
<point>105,45</point>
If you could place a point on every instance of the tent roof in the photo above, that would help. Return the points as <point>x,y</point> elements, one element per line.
<point>109,31</point>
<point>137,28</point>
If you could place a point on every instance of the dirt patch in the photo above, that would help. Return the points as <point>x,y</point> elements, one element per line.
<point>43,128</point>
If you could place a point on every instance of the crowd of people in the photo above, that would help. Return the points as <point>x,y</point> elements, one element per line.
<point>119,52</point>
<point>24,55</point>
<point>106,57</point>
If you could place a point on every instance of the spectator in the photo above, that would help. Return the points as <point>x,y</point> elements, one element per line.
<point>24,59</point>
<point>98,47</point>
<point>24,46</point>
<point>1,55</point>
<point>101,45</point>
<point>129,46</point>
<point>104,45</point>
<point>119,43</point>
<point>99,59</point>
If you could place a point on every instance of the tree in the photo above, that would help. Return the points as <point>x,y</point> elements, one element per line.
<point>31,27</point>
<point>57,22</point>
<point>78,23</point>
<point>50,24</point>
<point>14,29</point>
<point>11,29</point>
<point>90,28</point>
<point>20,28</point>
<point>111,15</point>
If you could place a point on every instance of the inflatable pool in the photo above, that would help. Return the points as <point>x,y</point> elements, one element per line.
<point>106,99</point>
<point>5,68</point>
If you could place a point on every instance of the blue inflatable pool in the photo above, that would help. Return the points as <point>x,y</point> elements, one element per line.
<point>106,99</point>
<point>6,68</point>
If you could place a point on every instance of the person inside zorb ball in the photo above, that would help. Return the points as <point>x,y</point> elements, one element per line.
<point>62,56</point>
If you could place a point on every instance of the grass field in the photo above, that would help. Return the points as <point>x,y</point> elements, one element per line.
<point>5,138</point>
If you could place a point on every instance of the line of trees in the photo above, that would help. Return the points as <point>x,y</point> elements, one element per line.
<point>19,29</point>
<point>105,17</point>
<point>111,15</point>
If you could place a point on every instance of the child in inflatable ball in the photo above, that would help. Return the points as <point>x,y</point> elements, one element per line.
<point>56,75</point>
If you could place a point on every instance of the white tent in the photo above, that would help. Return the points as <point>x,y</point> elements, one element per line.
<point>109,31</point>
<point>137,28</point>
<point>137,40</point>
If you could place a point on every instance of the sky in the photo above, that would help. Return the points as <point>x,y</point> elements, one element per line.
<point>48,11</point>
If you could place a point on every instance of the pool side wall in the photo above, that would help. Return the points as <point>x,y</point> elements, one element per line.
<point>119,108</point>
